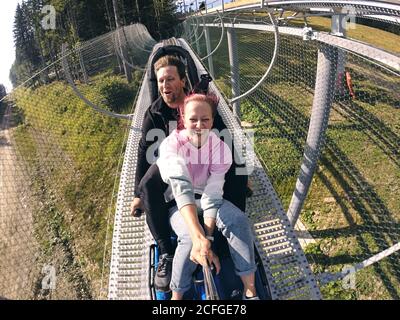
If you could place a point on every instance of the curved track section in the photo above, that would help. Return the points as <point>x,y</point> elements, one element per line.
<point>129,268</point>
<point>131,237</point>
<point>384,10</point>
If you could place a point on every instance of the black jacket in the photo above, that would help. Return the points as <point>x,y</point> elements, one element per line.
<point>158,116</point>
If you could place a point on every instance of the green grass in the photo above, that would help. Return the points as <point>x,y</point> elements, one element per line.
<point>73,153</point>
<point>352,208</point>
<point>378,38</point>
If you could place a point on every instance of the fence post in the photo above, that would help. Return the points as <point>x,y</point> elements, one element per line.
<point>121,44</point>
<point>208,46</point>
<point>234,62</point>
<point>338,28</point>
<point>338,22</point>
<point>323,98</point>
<point>197,37</point>
<point>82,64</point>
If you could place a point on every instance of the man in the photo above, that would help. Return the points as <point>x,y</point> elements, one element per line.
<point>149,187</point>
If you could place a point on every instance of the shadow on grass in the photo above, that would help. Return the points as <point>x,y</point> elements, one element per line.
<point>376,217</point>
<point>382,136</point>
<point>297,62</point>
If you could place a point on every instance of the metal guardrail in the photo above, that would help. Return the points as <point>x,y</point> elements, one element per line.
<point>357,47</point>
<point>388,11</point>
<point>131,238</point>
<point>136,34</point>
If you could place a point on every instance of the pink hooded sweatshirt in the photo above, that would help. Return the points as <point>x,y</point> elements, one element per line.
<point>190,170</point>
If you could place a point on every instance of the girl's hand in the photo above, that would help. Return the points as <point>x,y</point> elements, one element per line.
<point>201,253</point>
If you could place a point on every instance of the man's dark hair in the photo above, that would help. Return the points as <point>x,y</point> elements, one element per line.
<point>169,60</point>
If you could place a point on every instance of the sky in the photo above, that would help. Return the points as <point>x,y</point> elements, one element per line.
<point>210,3</point>
<point>7,12</point>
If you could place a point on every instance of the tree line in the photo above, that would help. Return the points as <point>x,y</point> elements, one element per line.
<point>3,92</point>
<point>77,21</point>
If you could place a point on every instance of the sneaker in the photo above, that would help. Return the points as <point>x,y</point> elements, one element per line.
<point>251,298</point>
<point>164,272</point>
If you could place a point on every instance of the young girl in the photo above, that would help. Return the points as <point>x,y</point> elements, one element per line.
<point>193,162</point>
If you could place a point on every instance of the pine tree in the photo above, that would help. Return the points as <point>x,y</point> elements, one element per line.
<point>167,19</point>
<point>3,92</point>
<point>23,67</point>
<point>79,20</point>
<point>121,41</point>
<point>160,18</point>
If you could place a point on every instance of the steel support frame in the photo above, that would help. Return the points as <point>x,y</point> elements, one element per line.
<point>209,50</point>
<point>383,57</point>
<point>323,98</point>
<point>234,63</point>
<point>384,10</point>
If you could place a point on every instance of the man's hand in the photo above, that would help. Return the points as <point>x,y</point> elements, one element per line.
<point>201,252</point>
<point>136,207</point>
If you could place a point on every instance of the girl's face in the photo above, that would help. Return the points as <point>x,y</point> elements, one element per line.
<point>198,121</point>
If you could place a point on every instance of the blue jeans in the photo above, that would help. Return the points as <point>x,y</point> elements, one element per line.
<point>234,225</point>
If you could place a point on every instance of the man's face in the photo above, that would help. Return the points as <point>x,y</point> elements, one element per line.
<point>170,85</point>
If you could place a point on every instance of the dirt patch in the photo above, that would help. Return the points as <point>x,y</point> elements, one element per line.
<point>18,248</point>
<point>28,269</point>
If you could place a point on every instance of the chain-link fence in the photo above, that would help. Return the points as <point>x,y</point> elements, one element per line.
<point>60,159</point>
<point>351,212</point>
<point>60,166</point>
